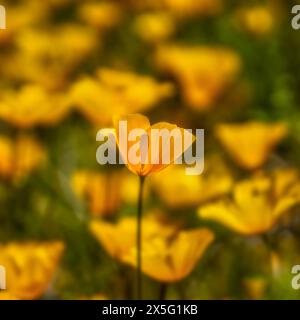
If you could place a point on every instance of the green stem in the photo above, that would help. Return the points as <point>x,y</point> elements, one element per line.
<point>139,239</point>
<point>268,244</point>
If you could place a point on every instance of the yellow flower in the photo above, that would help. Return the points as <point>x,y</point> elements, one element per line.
<point>116,92</point>
<point>177,189</point>
<point>118,239</point>
<point>168,255</point>
<point>29,267</point>
<point>257,20</point>
<point>21,16</point>
<point>20,157</point>
<point>256,204</point>
<point>154,27</point>
<point>137,121</point>
<point>105,192</point>
<point>202,72</point>
<point>49,57</point>
<point>172,259</point>
<point>32,105</point>
<point>250,144</point>
<point>102,15</point>
<point>101,191</point>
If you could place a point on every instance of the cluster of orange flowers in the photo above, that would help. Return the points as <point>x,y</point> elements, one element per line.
<point>254,207</point>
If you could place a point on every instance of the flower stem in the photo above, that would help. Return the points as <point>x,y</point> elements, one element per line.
<point>139,239</point>
<point>268,244</point>
<point>163,291</point>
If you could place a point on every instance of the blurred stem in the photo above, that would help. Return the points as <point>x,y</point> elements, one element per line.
<point>163,291</point>
<point>268,244</point>
<point>139,239</point>
<point>181,291</point>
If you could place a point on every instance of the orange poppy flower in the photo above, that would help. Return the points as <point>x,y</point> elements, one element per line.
<point>168,254</point>
<point>250,144</point>
<point>140,122</point>
<point>257,204</point>
<point>172,259</point>
<point>29,267</point>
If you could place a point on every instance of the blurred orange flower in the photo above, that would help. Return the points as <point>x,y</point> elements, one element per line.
<point>161,244</point>
<point>30,267</point>
<point>257,20</point>
<point>32,105</point>
<point>251,143</point>
<point>48,57</point>
<point>256,204</point>
<point>137,121</point>
<point>170,259</point>
<point>116,92</point>
<point>179,190</point>
<point>19,157</point>
<point>202,72</point>
<point>21,16</point>
<point>101,191</point>
<point>118,239</point>
<point>154,27</point>
<point>103,15</point>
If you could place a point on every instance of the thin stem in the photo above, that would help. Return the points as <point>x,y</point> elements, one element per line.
<point>163,291</point>
<point>139,239</point>
<point>268,244</point>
